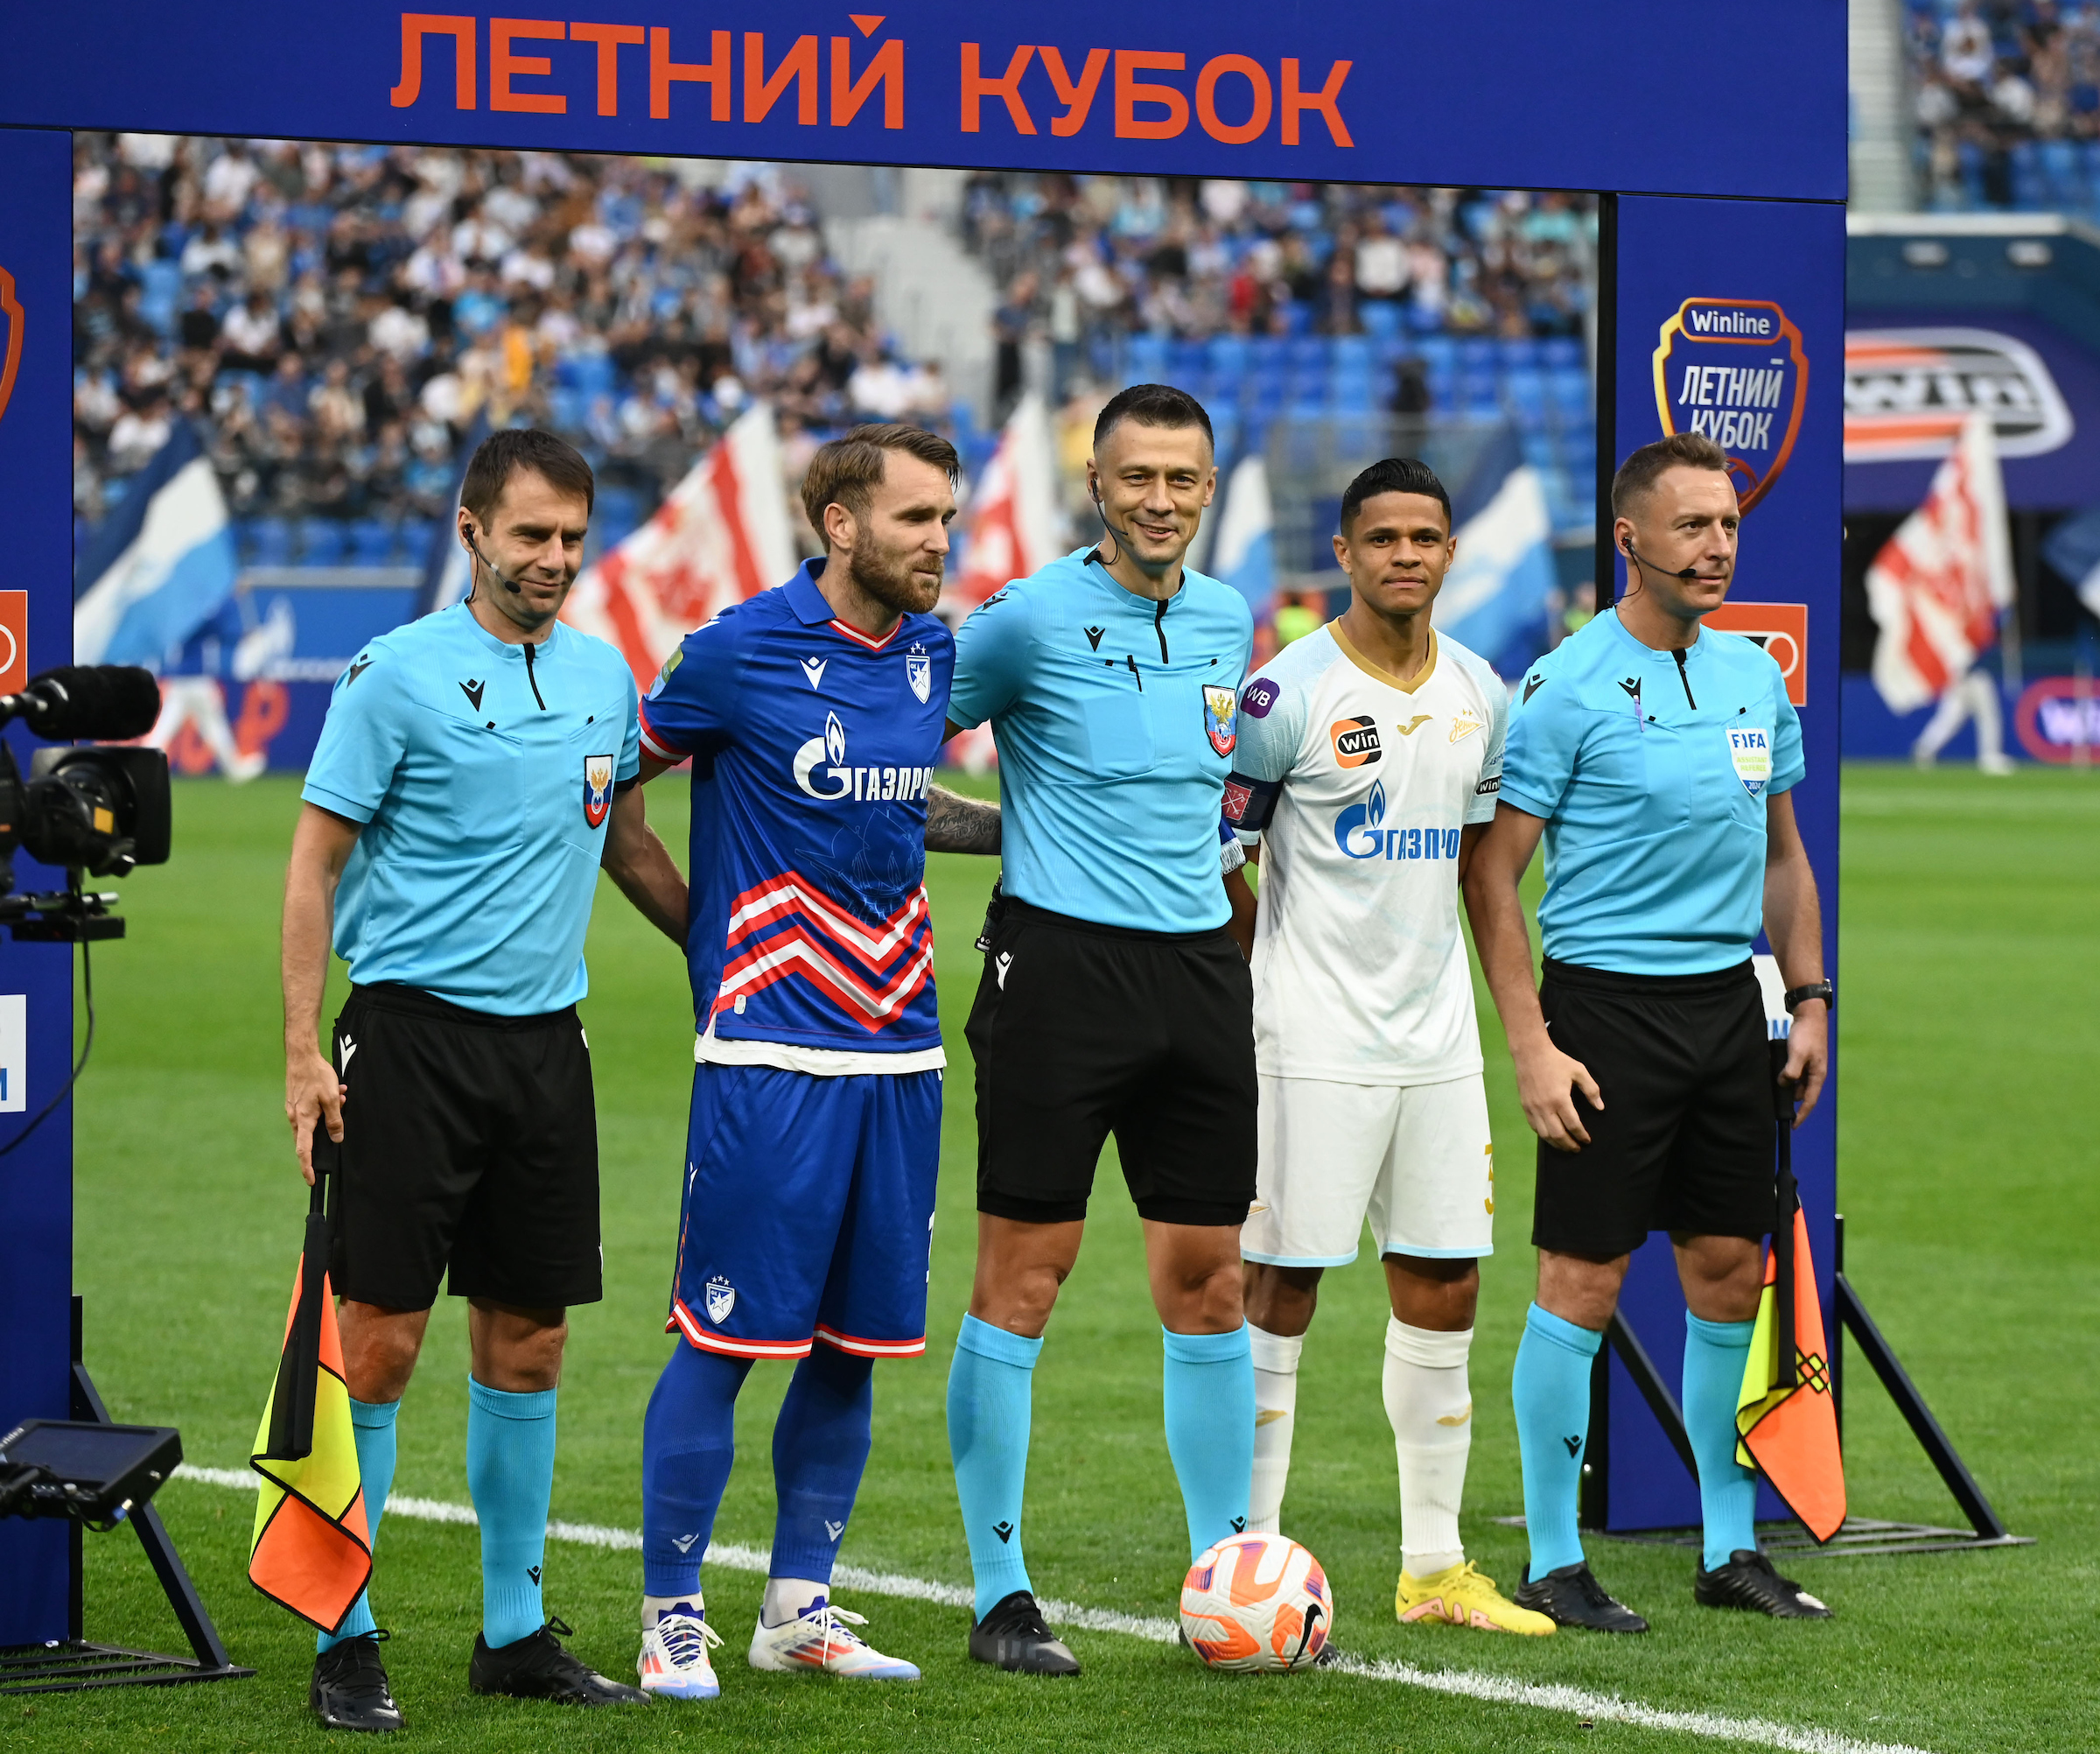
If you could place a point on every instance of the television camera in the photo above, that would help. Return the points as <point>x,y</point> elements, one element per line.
<point>93,812</point>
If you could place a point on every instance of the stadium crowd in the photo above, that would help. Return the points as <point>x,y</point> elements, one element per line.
<point>2008,102</point>
<point>335,320</point>
<point>1082,261</point>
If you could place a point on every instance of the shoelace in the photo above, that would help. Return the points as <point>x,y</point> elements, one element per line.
<point>686,1638</point>
<point>827,1621</point>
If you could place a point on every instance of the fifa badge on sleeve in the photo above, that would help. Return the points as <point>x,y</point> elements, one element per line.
<point>1221,718</point>
<point>597,789</point>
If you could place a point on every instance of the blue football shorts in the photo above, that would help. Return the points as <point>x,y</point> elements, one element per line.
<point>808,1212</point>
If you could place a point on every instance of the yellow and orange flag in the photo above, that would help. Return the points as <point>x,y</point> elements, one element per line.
<point>1786,1416</point>
<point>311,1551</point>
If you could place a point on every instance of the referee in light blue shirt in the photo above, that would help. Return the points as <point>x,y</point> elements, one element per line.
<point>475,769</point>
<point>1657,759</point>
<point>1112,999</point>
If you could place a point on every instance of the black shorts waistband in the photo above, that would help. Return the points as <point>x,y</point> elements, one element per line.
<point>1015,908</point>
<point>413,1001</point>
<point>1650,986</point>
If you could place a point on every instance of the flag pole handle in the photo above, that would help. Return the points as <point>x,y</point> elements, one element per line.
<point>1786,1203</point>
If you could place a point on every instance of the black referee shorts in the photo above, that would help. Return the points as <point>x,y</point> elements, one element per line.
<point>470,1141</point>
<point>1082,1030</point>
<point>1684,1140</point>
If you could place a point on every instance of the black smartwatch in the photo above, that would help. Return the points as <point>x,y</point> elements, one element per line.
<point>1815,989</point>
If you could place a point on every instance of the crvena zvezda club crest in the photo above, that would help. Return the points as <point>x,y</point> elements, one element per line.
<point>10,337</point>
<point>1734,369</point>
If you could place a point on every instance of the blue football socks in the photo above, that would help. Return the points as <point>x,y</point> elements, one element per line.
<point>1209,1398</point>
<point>510,1475</point>
<point>1715,1353</point>
<point>372,1428</point>
<point>988,1403</point>
<point>820,1445</point>
<point>689,1438</point>
<point>1551,1387</point>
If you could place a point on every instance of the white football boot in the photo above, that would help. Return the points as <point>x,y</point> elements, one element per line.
<point>821,1639</point>
<point>674,1661</point>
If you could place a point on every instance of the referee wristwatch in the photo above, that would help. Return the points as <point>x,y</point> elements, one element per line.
<point>1815,989</point>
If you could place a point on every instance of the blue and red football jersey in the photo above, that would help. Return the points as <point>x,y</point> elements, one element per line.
<point>813,748</point>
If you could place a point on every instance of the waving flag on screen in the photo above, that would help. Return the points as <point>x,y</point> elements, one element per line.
<point>2073,548</point>
<point>162,563</point>
<point>311,1550</point>
<point>1936,588</point>
<point>722,536</point>
<point>1494,596</point>
<point>1244,555</point>
<point>1012,520</point>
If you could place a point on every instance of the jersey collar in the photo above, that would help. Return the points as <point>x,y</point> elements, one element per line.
<point>1643,649</point>
<point>812,609</point>
<point>1412,686</point>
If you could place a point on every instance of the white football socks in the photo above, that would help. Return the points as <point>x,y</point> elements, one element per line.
<point>1275,1414</point>
<point>789,1598</point>
<point>1430,1404</point>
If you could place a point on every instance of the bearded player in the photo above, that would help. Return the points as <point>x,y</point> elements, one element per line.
<point>1368,760</point>
<point>813,715</point>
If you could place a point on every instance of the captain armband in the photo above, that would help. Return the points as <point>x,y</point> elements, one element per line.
<point>1250,802</point>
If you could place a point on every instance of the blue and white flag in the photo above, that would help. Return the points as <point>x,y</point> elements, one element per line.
<point>2073,548</point>
<point>161,565</point>
<point>1494,596</point>
<point>447,575</point>
<point>1244,555</point>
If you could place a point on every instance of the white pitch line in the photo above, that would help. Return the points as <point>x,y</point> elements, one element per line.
<point>1491,1689</point>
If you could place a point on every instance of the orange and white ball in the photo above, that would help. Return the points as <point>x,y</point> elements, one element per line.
<point>1257,1603</point>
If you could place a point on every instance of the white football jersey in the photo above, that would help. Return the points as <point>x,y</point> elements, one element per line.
<point>1357,789</point>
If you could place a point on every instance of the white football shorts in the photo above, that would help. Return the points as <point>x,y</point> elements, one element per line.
<point>1417,1160</point>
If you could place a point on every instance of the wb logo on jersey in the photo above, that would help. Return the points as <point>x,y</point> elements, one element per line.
<point>832,743</point>
<point>597,789</point>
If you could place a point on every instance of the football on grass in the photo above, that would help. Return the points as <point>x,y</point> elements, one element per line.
<point>1256,1603</point>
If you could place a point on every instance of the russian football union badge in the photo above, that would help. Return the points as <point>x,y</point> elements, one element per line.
<point>1221,717</point>
<point>598,788</point>
<point>1734,369</point>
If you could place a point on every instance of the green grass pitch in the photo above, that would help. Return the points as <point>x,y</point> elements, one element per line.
<point>1970,1036</point>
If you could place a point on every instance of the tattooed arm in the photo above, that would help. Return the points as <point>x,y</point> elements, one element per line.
<point>954,824</point>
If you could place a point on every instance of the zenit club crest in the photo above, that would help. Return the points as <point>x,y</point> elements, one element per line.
<point>10,337</point>
<point>598,788</point>
<point>1221,718</point>
<point>1734,369</point>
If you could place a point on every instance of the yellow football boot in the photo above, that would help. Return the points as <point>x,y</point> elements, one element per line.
<point>1462,1595</point>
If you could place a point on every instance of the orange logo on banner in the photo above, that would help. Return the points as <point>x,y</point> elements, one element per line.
<point>10,316</point>
<point>1781,628</point>
<point>14,641</point>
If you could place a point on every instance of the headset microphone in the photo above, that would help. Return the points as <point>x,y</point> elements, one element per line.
<point>1686,573</point>
<point>515,590</point>
<point>1101,511</point>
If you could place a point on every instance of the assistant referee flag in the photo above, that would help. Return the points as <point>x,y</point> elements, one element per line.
<point>311,1551</point>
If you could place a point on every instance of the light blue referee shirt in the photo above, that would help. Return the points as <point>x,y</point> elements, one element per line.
<point>1652,778</point>
<point>1116,717</point>
<point>483,783</point>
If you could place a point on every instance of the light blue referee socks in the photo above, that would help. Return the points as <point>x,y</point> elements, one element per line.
<point>510,1475</point>
<point>1210,1396</point>
<point>1715,1353</point>
<point>1551,1387</point>
<point>372,1428</point>
<point>989,1392</point>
